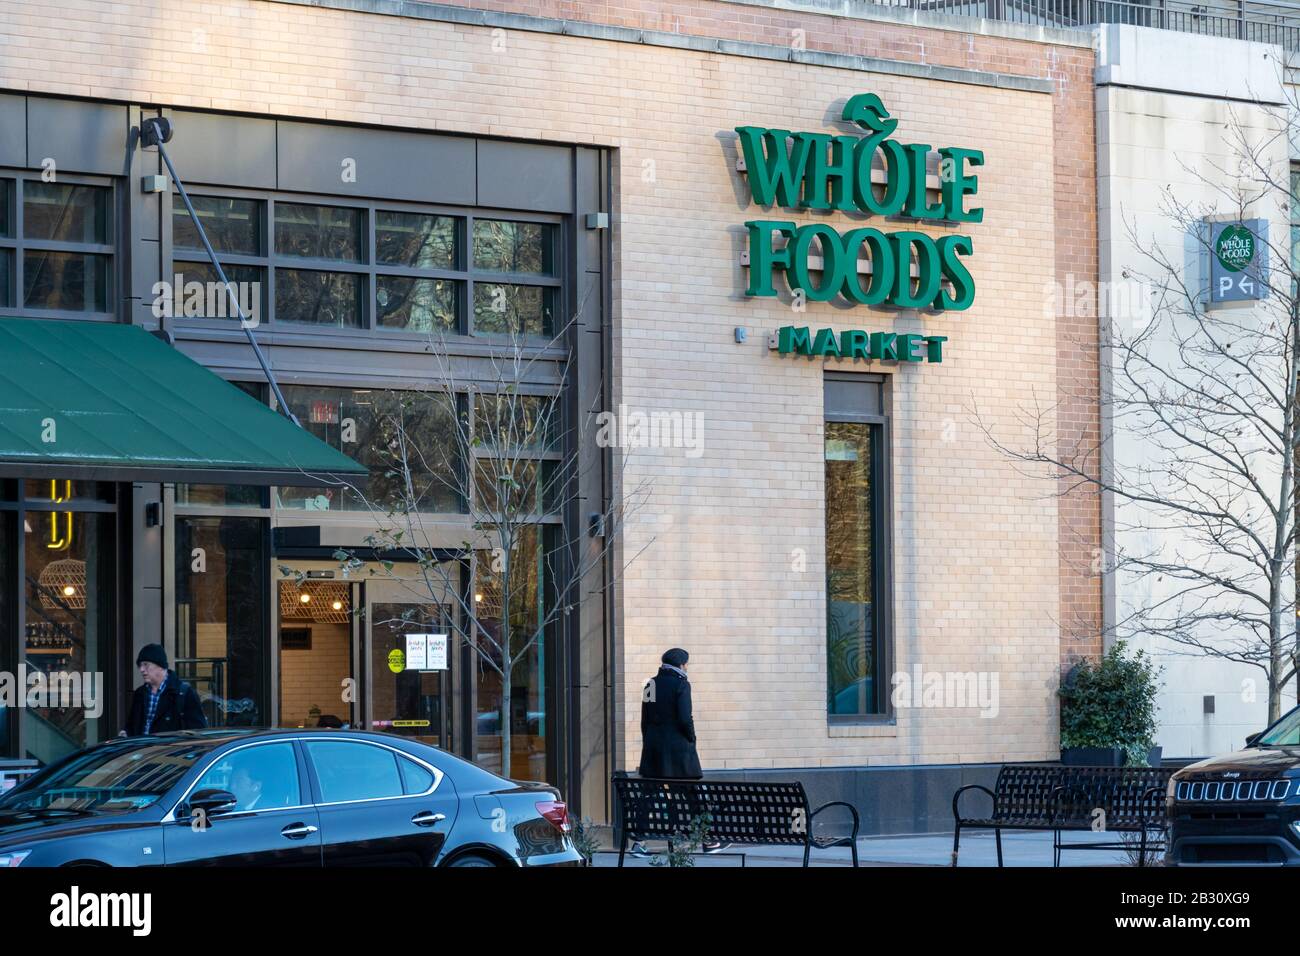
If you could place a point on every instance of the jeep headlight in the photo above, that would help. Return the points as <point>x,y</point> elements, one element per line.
<point>13,857</point>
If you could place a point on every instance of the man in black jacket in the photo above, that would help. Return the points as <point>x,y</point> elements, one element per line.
<point>668,730</point>
<point>667,726</point>
<point>164,702</point>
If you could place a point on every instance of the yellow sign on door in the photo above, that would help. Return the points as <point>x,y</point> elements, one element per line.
<point>396,660</point>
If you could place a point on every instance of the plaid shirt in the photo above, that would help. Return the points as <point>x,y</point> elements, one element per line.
<point>154,697</point>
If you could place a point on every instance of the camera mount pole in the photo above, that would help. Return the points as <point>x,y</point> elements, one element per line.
<point>155,131</point>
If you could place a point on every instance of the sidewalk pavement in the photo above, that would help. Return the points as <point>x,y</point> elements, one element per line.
<point>935,849</point>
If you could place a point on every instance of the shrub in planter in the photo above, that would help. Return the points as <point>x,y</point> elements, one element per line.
<point>1110,703</point>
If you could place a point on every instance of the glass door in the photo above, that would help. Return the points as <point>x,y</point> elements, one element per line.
<point>409,662</point>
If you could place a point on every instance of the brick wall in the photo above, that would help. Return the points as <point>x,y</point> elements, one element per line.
<point>990,568</point>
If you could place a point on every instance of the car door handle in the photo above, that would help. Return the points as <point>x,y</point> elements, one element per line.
<point>428,818</point>
<point>296,831</point>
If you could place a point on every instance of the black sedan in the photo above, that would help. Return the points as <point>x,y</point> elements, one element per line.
<point>278,798</point>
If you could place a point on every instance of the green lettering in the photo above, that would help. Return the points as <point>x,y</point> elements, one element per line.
<point>832,261</point>
<point>928,275</point>
<point>917,204</point>
<point>950,247</point>
<point>791,339</point>
<point>881,256</point>
<point>934,348</point>
<point>908,347</point>
<point>775,172</point>
<point>954,185</point>
<point>826,344</point>
<point>829,183</point>
<point>855,344</point>
<point>763,259</point>
<point>884,346</point>
<point>894,194</point>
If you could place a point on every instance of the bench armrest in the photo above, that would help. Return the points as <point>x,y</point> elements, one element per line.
<point>956,815</point>
<point>1142,813</point>
<point>836,803</point>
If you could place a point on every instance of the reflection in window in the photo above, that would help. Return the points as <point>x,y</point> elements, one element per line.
<point>348,771</point>
<point>320,232</point>
<point>319,298</point>
<point>416,305</point>
<point>69,587</point>
<point>6,277</point>
<point>364,424</point>
<point>231,225</point>
<point>6,205</point>
<point>525,247</point>
<point>513,309</point>
<point>527,705</point>
<point>514,422</point>
<point>200,293</point>
<point>415,240</point>
<point>221,616</point>
<point>65,213</point>
<point>261,778</point>
<point>69,281</point>
<point>851,602</point>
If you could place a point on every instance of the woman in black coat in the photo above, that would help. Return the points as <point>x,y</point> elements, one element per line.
<point>667,727</point>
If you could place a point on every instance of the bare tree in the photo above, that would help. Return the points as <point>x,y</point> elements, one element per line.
<point>1205,510</point>
<point>490,441</point>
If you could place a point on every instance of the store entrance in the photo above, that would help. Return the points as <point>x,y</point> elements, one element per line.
<point>369,652</point>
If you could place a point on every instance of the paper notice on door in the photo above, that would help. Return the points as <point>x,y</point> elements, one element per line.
<point>426,652</point>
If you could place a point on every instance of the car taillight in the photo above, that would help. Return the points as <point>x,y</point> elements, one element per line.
<point>556,812</point>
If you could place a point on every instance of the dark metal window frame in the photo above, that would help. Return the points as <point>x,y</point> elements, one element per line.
<point>11,193</point>
<point>370,270</point>
<point>882,563</point>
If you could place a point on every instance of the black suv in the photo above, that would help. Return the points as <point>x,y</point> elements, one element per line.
<point>1243,808</point>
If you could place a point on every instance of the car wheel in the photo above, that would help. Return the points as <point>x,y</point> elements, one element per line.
<point>472,859</point>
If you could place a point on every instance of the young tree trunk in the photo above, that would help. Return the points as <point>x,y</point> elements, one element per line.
<point>505,715</point>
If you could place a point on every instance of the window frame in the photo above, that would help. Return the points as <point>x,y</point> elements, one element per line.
<point>464,273</point>
<point>16,245</point>
<point>882,564</point>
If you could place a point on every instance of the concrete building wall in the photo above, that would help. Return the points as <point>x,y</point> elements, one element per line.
<point>1168,109</point>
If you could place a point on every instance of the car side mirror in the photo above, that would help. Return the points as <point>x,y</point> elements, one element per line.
<point>1253,739</point>
<point>211,801</point>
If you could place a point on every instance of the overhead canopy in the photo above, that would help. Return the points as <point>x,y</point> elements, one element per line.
<point>111,402</point>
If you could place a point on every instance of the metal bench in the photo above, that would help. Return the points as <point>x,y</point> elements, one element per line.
<point>1063,799</point>
<point>743,812</point>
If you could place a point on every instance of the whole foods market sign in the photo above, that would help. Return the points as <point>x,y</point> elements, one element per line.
<point>1238,265</point>
<point>904,269</point>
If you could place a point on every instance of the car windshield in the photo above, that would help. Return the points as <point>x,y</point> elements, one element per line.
<point>1285,733</point>
<point>112,778</point>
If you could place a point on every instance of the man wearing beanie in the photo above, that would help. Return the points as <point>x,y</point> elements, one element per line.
<point>668,730</point>
<point>164,702</point>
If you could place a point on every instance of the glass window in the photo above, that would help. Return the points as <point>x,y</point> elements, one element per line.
<point>221,616</point>
<point>231,225</point>
<point>412,699</point>
<point>66,213</point>
<point>6,278</point>
<point>416,305</point>
<point>264,777</point>
<point>6,207</point>
<point>125,775</point>
<point>51,491</point>
<point>364,424</point>
<point>514,421</point>
<point>71,561</point>
<point>320,232</point>
<point>198,292</point>
<point>526,703</point>
<point>513,309</point>
<point>221,496</point>
<point>70,281</point>
<point>415,779</point>
<point>415,240</point>
<point>852,612</point>
<point>319,298</point>
<point>348,771</point>
<point>525,247</point>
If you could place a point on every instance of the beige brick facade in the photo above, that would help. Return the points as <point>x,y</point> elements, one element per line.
<point>991,570</point>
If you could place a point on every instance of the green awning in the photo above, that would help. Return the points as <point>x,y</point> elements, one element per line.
<point>109,402</point>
